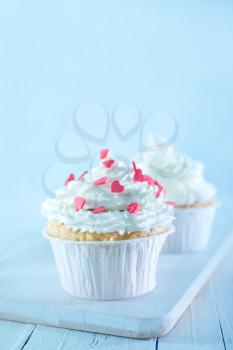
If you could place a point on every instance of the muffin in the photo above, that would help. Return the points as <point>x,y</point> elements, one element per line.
<point>107,229</point>
<point>193,197</point>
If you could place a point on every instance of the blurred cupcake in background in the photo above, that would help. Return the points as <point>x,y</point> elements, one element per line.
<point>193,197</point>
<point>107,229</point>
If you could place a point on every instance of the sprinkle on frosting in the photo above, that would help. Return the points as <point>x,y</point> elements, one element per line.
<point>149,180</point>
<point>99,210</point>
<point>117,187</point>
<point>171,203</point>
<point>71,177</point>
<point>79,203</point>
<point>138,176</point>
<point>160,188</point>
<point>104,153</point>
<point>134,165</point>
<point>133,208</point>
<point>82,175</point>
<point>102,181</point>
<point>117,198</point>
<point>109,163</point>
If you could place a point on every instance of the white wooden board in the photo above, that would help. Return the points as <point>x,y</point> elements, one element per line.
<point>30,292</point>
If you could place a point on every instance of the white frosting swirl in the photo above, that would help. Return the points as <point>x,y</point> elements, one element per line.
<point>153,212</point>
<point>181,176</point>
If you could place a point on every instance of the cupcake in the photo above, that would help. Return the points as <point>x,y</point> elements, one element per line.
<point>107,229</point>
<point>192,196</point>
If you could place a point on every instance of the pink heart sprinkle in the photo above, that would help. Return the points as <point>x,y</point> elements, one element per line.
<point>133,208</point>
<point>101,181</point>
<point>99,210</point>
<point>104,153</point>
<point>134,165</point>
<point>71,177</point>
<point>79,203</point>
<point>117,187</point>
<point>82,175</point>
<point>109,163</point>
<point>138,176</point>
<point>160,189</point>
<point>158,184</point>
<point>171,203</point>
<point>149,180</point>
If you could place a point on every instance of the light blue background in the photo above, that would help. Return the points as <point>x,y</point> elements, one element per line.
<point>174,57</point>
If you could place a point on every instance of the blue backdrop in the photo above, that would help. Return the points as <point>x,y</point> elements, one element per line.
<point>169,57</point>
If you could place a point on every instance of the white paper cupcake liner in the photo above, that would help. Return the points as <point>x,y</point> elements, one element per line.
<point>109,269</point>
<point>192,230</point>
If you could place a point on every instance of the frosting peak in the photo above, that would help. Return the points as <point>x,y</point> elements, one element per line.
<point>181,176</point>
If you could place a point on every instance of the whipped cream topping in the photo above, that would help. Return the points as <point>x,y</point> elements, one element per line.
<point>133,207</point>
<point>181,176</point>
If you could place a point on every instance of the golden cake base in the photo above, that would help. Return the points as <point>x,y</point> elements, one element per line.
<point>61,231</point>
<point>200,204</point>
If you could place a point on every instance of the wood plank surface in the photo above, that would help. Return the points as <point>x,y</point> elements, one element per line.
<point>14,335</point>
<point>49,338</point>
<point>197,329</point>
<point>222,294</point>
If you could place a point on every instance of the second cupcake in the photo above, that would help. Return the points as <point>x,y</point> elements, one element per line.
<point>192,196</point>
